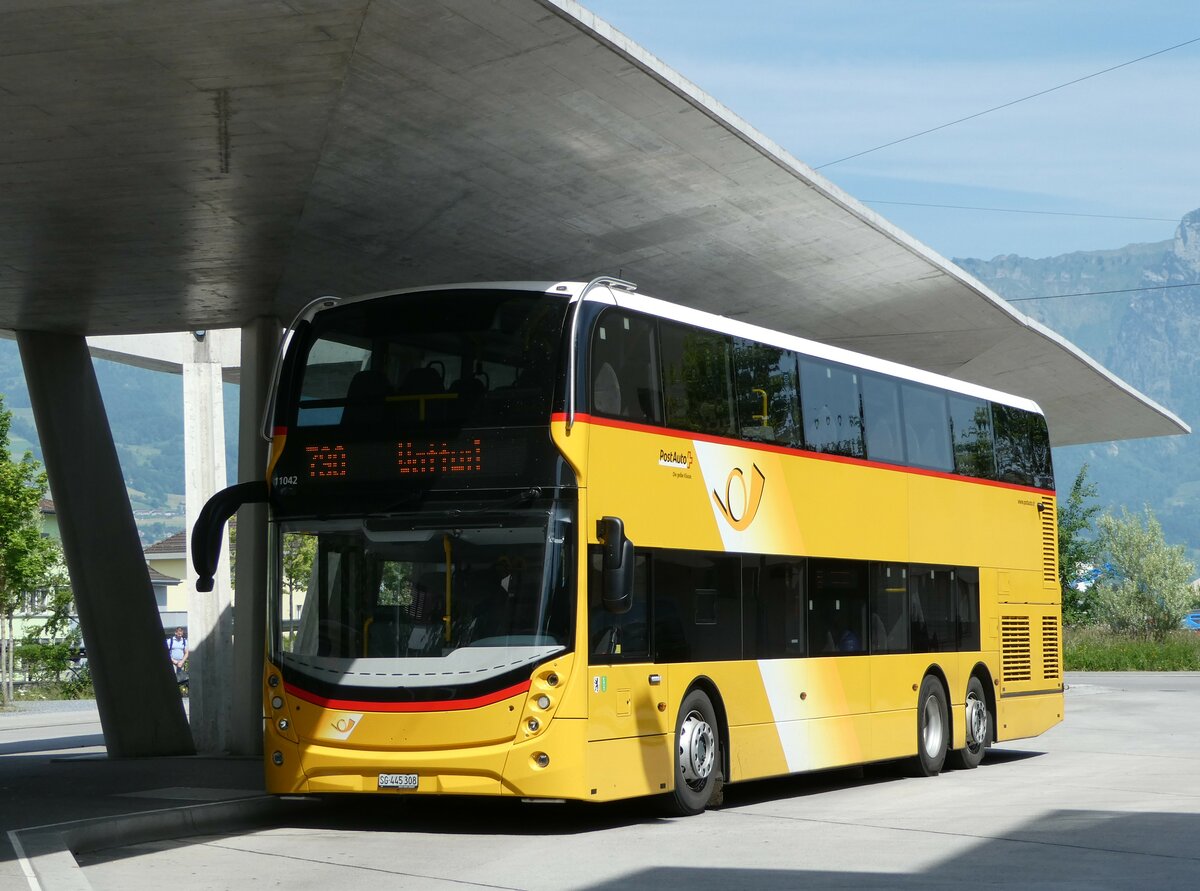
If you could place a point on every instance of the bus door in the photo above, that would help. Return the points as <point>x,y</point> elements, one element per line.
<point>626,689</point>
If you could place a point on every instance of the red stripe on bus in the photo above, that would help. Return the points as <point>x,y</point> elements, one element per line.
<point>786,450</point>
<point>437,705</point>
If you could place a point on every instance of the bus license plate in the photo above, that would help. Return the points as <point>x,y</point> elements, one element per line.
<point>397,781</point>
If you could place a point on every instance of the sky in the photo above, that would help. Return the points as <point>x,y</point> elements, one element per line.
<point>830,79</point>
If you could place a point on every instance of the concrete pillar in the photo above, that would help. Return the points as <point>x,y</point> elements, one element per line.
<point>141,711</point>
<point>210,614</point>
<point>260,341</point>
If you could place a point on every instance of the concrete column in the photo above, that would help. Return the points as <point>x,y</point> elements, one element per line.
<point>210,614</point>
<point>260,341</point>
<point>141,712</point>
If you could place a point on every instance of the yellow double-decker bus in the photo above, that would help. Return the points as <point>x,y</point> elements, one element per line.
<point>568,541</point>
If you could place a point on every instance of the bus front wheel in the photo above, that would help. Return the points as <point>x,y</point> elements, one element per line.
<point>933,728</point>
<point>698,780</point>
<point>979,728</point>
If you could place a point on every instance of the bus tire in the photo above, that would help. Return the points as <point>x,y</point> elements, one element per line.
<point>979,725</point>
<point>933,728</point>
<point>698,756</point>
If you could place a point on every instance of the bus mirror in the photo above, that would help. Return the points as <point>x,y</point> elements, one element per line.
<point>206,534</point>
<point>616,578</point>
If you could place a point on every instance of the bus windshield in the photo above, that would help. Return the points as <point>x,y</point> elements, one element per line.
<point>424,601</point>
<point>473,357</point>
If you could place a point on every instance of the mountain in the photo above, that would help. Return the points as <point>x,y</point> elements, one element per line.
<point>1134,310</point>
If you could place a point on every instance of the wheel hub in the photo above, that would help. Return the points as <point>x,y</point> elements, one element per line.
<point>933,730</point>
<point>697,749</point>
<point>977,723</point>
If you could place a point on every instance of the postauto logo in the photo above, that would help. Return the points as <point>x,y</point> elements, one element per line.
<point>676,458</point>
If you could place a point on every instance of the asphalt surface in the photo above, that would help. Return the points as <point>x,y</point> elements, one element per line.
<point>1109,799</point>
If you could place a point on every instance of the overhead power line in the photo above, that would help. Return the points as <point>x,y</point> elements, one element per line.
<point>980,114</point>
<point>1052,213</point>
<point>1099,293</point>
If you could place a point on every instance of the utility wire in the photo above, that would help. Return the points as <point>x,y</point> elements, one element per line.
<point>1052,213</point>
<point>1098,293</point>
<point>979,114</point>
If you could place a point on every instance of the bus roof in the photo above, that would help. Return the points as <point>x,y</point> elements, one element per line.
<point>665,309</point>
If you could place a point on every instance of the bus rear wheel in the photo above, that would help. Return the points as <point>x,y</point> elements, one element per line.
<point>933,726</point>
<point>698,758</point>
<point>979,728</point>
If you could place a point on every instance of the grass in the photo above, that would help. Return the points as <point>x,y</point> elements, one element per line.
<point>1093,649</point>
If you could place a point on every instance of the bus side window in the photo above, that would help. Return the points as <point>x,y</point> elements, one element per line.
<point>768,403</point>
<point>837,607</point>
<point>889,608</point>
<point>926,427</point>
<point>832,409</point>
<point>624,371</point>
<point>779,610</point>
<point>697,386</point>
<point>1022,447</point>
<point>933,620</point>
<point>971,435</point>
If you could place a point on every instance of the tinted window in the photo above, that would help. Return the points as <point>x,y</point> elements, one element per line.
<point>832,416</point>
<point>1022,447</point>
<point>837,607</point>
<point>446,357</point>
<point>623,637</point>
<point>966,590</point>
<point>697,606</point>
<point>926,427</point>
<point>889,608</point>
<point>696,370</point>
<point>881,419</point>
<point>933,621</point>
<point>624,373</point>
<point>971,434</point>
<point>768,400</point>
<point>776,609</point>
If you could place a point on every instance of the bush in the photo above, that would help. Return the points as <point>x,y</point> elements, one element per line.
<point>1095,649</point>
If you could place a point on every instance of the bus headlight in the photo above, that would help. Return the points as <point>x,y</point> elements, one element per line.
<point>543,702</point>
<point>533,725</point>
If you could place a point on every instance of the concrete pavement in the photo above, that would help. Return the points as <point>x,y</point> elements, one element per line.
<point>1109,799</point>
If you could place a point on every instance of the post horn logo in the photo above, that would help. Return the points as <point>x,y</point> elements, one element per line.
<point>344,726</point>
<point>741,499</point>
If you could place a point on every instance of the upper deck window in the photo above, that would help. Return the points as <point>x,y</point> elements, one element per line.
<point>624,370</point>
<point>697,380</point>
<point>832,411</point>
<point>437,358</point>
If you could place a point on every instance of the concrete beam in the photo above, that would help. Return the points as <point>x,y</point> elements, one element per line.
<point>210,614</point>
<point>141,711</point>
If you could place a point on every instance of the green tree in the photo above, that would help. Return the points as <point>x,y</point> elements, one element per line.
<point>1146,590</point>
<point>1077,547</point>
<point>299,551</point>
<point>27,560</point>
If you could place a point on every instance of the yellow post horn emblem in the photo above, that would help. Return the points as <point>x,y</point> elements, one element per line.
<point>752,497</point>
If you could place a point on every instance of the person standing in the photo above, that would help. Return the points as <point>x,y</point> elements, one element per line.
<point>177,647</point>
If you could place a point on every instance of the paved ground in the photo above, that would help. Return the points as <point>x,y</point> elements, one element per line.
<point>1109,799</point>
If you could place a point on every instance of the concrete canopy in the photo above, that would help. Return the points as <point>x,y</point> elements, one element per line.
<point>186,166</point>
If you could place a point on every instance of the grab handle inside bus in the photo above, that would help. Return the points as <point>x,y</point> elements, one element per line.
<point>616,577</point>
<point>206,534</point>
